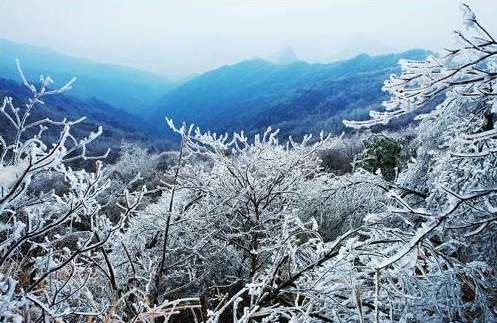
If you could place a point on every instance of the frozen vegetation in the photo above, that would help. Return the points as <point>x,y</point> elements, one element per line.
<point>392,227</point>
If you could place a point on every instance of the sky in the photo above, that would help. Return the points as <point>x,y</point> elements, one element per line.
<point>180,38</point>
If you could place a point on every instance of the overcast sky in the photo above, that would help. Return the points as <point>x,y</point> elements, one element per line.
<point>180,38</point>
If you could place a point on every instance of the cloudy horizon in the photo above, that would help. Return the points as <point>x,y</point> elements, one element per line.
<point>179,39</point>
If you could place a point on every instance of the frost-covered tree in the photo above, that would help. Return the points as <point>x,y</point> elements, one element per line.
<point>232,209</point>
<point>38,242</point>
<point>439,235</point>
<point>255,230</point>
<point>428,255</point>
<point>54,237</point>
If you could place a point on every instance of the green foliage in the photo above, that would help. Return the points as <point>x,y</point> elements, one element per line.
<point>381,153</point>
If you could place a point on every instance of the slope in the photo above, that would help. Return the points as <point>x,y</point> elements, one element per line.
<point>298,97</point>
<point>124,87</point>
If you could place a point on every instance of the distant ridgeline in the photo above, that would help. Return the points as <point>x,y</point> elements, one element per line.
<point>123,87</point>
<point>294,96</point>
<point>298,98</point>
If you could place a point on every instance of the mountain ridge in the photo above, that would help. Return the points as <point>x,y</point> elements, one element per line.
<point>117,124</point>
<point>236,96</point>
<point>122,86</point>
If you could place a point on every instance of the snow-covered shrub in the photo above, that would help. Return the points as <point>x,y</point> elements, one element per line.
<point>427,253</point>
<point>54,236</point>
<point>256,230</point>
<point>339,159</point>
<point>233,209</point>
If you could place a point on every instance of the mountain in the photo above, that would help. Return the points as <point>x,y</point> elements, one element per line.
<point>286,56</point>
<point>298,97</point>
<point>117,124</point>
<point>124,87</point>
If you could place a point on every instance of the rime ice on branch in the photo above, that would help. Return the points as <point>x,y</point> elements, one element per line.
<point>466,72</point>
<point>54,237</point>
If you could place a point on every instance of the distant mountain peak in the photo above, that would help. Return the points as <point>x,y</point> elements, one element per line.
<point>284,56</point>
<point>288,56</point>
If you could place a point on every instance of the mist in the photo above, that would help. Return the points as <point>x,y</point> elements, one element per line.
<point>177,39</point>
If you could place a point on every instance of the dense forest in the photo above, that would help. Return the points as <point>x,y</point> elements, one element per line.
<point>390,225</point>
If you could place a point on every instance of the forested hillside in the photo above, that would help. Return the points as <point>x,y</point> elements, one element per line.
<point>297,98</point>
<point>118,126</point>
<point>126,88</point>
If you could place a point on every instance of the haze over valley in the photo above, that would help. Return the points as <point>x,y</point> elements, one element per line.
<point>287,93</point>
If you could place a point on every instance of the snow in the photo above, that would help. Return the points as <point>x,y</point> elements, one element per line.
<point>9,176</point>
